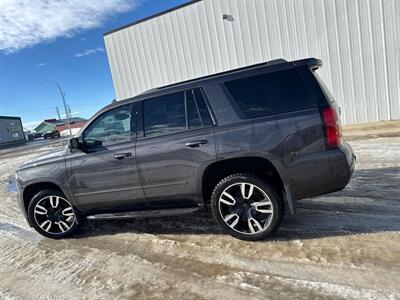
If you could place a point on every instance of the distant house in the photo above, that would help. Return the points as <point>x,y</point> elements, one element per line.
<point>11,131</point>
<point>59,125</point>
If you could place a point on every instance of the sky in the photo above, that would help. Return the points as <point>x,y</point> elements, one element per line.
<point>61,41</point>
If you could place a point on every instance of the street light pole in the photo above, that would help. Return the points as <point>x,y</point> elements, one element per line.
<point>65,105</point>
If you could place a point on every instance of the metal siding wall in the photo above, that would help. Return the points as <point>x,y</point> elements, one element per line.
<point>358,41</point>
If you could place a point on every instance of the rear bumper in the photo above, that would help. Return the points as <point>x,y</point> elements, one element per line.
<point>342,163</point>
<point>351,158</point>
<point>326,172</point>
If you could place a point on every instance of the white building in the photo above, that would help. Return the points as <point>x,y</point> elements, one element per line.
<point>357,40</point>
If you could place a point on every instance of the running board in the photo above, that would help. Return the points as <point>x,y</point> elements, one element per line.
<point>145,213</point>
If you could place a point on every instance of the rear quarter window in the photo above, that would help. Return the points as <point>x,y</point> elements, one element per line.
<point>270,94</point>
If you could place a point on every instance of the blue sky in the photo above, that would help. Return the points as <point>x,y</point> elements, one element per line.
<point>62,41</point>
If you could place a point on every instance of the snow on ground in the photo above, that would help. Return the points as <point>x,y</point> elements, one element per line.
<point>343,245</point>
<point>66,132</point>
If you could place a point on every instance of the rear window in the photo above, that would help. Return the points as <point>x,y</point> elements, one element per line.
<point>270,94</point>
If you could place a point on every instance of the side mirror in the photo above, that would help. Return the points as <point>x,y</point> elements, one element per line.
<point>74,143</point>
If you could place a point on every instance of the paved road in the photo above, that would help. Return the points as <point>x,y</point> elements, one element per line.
<point>343,245</point>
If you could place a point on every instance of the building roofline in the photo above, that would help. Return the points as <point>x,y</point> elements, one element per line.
<point>9,117</point>
<point>152,16</point>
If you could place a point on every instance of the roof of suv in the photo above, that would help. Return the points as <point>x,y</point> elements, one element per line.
<point>312,63</point>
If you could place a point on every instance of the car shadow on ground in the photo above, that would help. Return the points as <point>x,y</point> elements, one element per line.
<point>307,224</point>
<point>369,204</point>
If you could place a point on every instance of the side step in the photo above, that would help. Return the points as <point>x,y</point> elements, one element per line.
<point>155,213</point>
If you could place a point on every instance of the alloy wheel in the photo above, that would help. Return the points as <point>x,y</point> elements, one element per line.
<point>54,214</point>
<point>245,208</point>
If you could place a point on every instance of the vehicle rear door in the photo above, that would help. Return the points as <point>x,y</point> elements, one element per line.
<point>175,144</point>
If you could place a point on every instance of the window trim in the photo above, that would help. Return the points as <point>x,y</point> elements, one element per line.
<point>208,106</point>
<point>197,107</point>
<point>132,129</point>
<point>140,134</point>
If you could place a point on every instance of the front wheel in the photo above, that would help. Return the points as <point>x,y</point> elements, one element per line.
<point>246,207</point>
<point>52,215</point>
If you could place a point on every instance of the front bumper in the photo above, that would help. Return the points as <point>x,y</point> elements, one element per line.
<point>20,200</point>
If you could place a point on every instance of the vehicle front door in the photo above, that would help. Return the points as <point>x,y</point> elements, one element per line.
<point>103,174</point>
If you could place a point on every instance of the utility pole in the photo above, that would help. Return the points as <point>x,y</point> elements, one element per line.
<point>58,113</point>
<point>65,104</point>
<point>69,111</point>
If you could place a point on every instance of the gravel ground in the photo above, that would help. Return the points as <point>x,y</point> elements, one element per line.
<point>342,245</point>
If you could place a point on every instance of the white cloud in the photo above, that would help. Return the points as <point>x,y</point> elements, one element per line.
<point>41,64</point>
<point>31,125</point>
<point>25,23</point>
<point>89,52</point>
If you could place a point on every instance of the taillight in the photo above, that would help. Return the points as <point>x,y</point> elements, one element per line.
<point>331,127</point>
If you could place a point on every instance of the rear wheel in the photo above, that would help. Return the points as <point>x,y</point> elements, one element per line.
<point>52,215</point>
<point>246,207</point>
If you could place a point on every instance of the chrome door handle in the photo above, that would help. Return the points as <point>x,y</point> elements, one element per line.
<point>122,155</point>
<point>194,144</point>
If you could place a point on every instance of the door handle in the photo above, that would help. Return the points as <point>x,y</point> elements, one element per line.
<point>122,155</point>
<point>194,144</point>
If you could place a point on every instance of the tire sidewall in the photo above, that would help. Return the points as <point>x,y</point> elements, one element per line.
<point>248,178</point>
<point>31,207</point>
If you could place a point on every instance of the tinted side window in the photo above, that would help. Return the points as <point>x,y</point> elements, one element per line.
<point>111,128</point>
<point>165,114</point>
<point>197,111</point>
<point>270,94</point>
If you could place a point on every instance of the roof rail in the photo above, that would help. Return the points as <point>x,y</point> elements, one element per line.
<point>148,91</point>
<point>276,62</point>
<point>263,64</point>
<point>312,62</point>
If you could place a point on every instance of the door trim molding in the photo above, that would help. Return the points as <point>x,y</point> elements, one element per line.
<point>166,184</point>
<point>108,191</point>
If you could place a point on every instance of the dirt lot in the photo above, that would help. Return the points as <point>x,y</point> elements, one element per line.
<point>343,245</point>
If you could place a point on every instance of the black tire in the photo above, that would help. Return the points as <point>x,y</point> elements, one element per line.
<point>272,221</point>
<point>43,198</point>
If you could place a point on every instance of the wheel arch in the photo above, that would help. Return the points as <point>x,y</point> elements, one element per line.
<point>258,166</point>
<point>32,189</point>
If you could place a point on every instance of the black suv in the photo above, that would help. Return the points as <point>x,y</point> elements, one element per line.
<point>244,143</point>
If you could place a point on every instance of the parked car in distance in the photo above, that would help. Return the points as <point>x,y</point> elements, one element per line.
<point>37,135</point>
<point>246,144</point>
<point>53,134</point>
